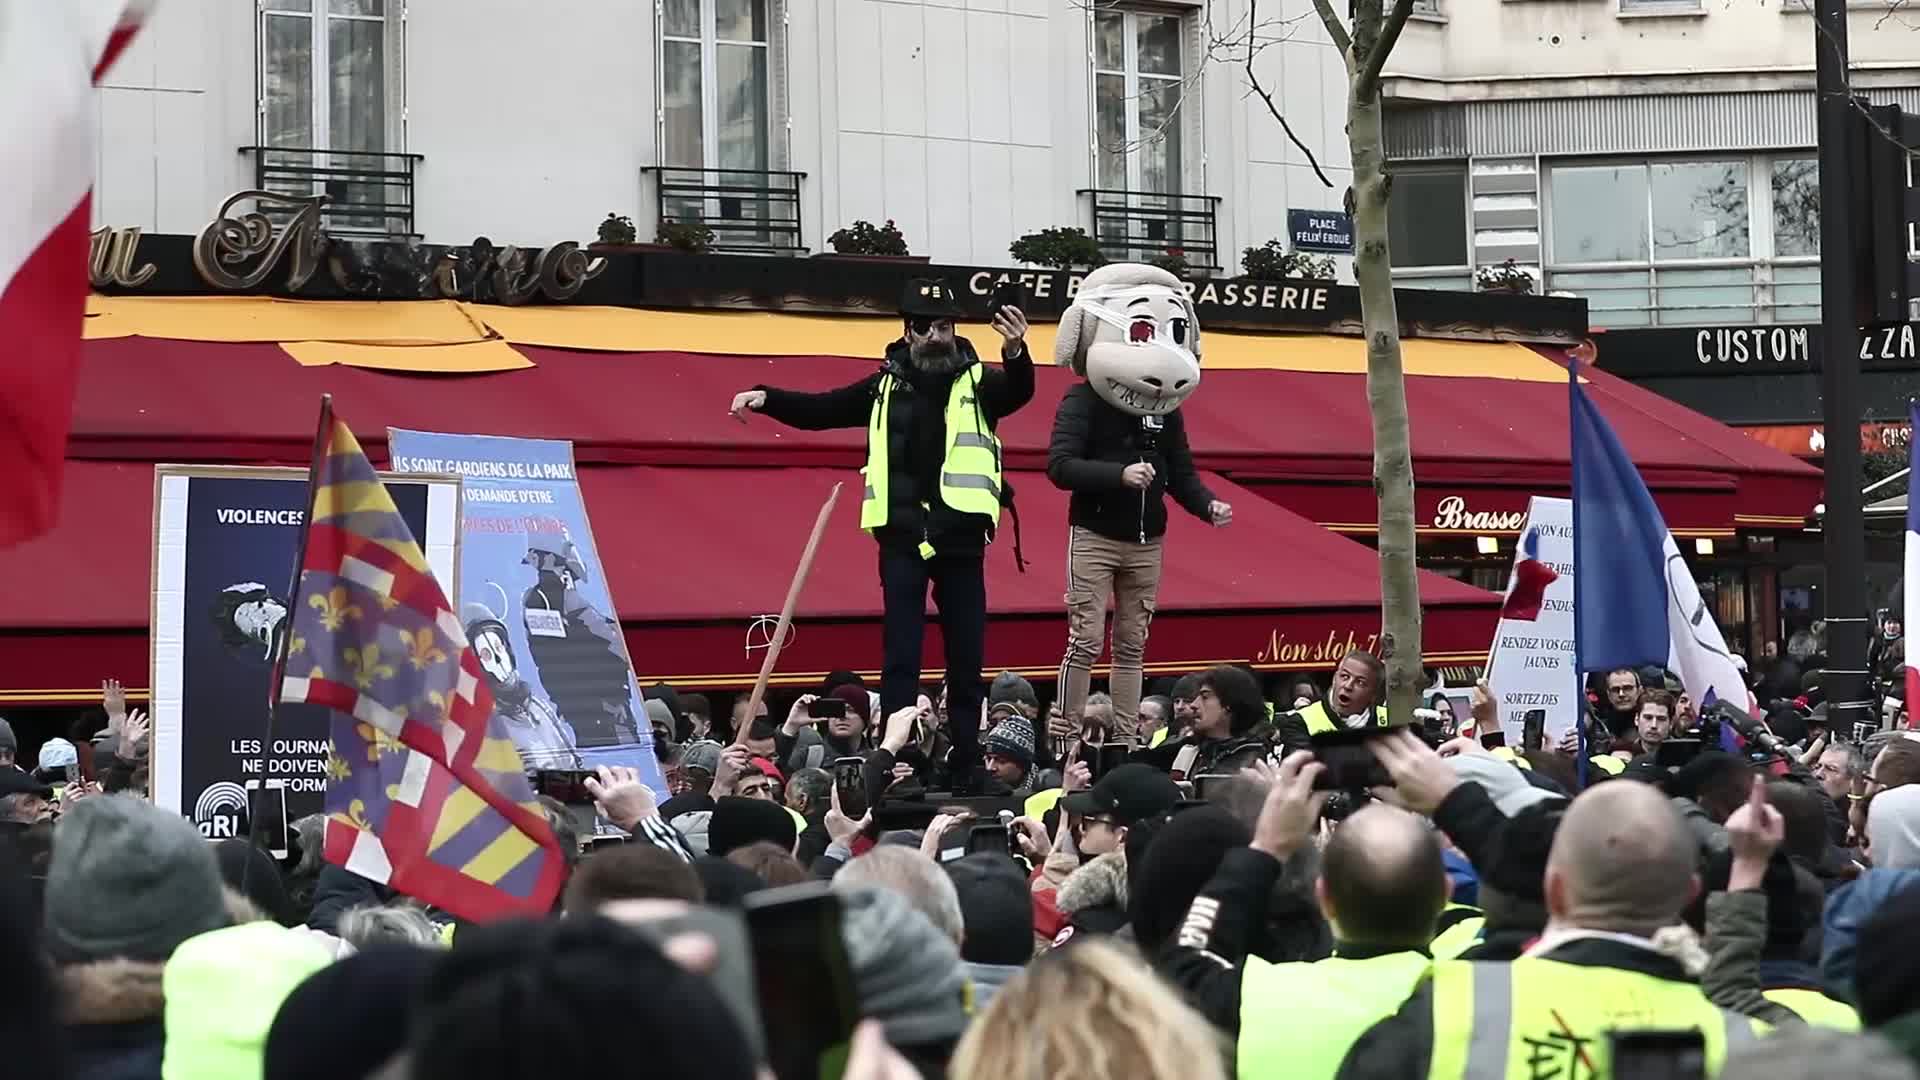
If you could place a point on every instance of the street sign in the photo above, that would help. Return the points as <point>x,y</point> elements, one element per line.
<point>1321,230</point>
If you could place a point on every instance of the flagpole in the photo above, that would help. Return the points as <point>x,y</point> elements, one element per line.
<point>1573,487</point>
<point>786,615</point>
<point>278,655</point>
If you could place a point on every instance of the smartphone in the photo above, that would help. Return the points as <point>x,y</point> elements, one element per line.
<point>827,708</point>
<point>1493,739</point>
<point>1533,730</point>
<point>567,785</point>
<point>850,778</point>
<point>988,836</point>
<point>803,981</point>
<point>69,773</point>
<point>1658,1055</point>
<point>733,972</point>
<point>1350,765</point>
<point>1005,295</point>
<point>1676,752</point>
<point>1108,757</point>
<point>267,803</point>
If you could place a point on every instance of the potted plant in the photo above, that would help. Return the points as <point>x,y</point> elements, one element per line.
<point>873,243</point>
<point>1273,262</point>
<point>690,237</point>
<point>1173,261</point>
<point>1058,249</point>
<point>1506,277</point>
<point>617,235</point>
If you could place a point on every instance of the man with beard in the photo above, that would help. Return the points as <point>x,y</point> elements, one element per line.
<point>578,649</point>
<point>543,740</point>
<point>933,488</point>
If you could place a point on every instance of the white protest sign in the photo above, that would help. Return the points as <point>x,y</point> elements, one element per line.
<point>1532,662</point>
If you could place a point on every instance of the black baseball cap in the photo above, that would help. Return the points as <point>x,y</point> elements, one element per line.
<point>15,782</point>
<point>1130,793</point>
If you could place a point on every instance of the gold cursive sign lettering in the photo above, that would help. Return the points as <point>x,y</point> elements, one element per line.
<point>1452,513</point>
<point>228,243</point>
<point>1281,649</point>
<point>110,259</point>
<point>559,273</point>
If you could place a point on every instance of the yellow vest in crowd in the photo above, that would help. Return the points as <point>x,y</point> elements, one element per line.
<point>970,473</point>
<point>1816,1008</point>
<point>1320,721</point>
<point>1297,1021</point>
<point>1464,934</point>
<point>1539,1017</point>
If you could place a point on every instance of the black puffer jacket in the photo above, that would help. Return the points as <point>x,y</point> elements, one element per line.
<point>1093,443</point>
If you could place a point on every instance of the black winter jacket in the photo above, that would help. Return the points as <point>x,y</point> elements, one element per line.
<point>916,438</point>
<point>1092,445</point>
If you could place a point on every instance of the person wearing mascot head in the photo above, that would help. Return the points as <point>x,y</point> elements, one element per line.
<point>933,489</point>
<point>1120,446</point>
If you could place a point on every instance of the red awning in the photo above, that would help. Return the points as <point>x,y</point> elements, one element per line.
<point>694,556</point>
<point>1300,437</point>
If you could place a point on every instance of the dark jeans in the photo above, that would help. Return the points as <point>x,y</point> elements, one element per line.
<point>960,592</point>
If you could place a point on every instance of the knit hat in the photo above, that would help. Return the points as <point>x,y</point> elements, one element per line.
<point>1893,828</point>
<point>348,1019</point>
<point>1886,981</point>
<point>995,907</point>
<point>907,974</point>
<point>8,742</point>
<point>738,822</point>
<point>1012,689</point>
<point>838,679</point>
<point>223,990</point>
<point>253,874</point>
<point>55,753</point>
<point>857,699</point>
<point>658,712</point>
<point>1503,782</point>
<point>128,879</point>
<point>1176,865</point>
<point>726,883</point>
<point>1014,738</point>
<point>704,755</point>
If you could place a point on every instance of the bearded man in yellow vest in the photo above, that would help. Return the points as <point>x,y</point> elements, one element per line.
<point>933,488</point>
<point>1621,868</point>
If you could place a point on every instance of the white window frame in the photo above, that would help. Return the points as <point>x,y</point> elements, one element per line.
<point>320,65</point>
<point>1452,274</point>
<point>778,126</point>
<point>1132,78</point>
<point>1760,259</point>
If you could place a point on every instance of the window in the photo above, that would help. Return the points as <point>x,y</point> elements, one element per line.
<point>1427,227</point>
<point>324,74</point>
<point>1686,242</point>
<point>715,102</point>
<point>1139,89</point>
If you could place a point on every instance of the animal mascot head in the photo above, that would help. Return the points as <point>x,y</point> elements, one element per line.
<point>1131,332</point>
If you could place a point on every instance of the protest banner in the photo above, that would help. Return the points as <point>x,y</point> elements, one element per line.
<point>535,602</point>
<point>225,542</point>
<point>1532,662</point>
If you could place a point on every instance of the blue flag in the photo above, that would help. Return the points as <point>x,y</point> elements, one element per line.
<point>1618,541</point>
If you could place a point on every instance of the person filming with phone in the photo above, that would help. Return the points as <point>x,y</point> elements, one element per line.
<point>933,487</point>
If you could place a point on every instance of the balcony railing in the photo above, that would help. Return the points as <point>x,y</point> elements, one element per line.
<point>1696,293</point>
<point>1141,226</point>
<point>369,193</point>
<point>749,210</point>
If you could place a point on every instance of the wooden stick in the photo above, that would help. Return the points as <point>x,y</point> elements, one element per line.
<point>786,616</point>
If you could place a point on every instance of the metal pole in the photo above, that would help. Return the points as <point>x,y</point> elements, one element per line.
<point>1844,532</point>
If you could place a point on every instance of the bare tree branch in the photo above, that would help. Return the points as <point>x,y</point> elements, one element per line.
<point>1367,85</point>
<point>1253,81</point>
<point>1335,30</point>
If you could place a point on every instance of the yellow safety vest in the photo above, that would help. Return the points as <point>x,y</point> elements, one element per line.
<point>1816,1008</point>
<point>1535,1016</point>
<point>1608,764</point>
<point>1320,721</point>
<point>1297,1021</point>
<point>969,474</point>
<point>1159,737</point>
<point>1464,934</point>
<point>1040,802</point>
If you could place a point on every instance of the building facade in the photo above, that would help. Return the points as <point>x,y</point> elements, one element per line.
<point>776,122</point>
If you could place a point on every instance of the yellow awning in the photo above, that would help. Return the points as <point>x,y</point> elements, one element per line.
<point>467,358</point>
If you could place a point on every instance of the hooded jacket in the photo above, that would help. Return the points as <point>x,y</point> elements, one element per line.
<point>114,1012</point>
<point>1094,442</point>
<point>916,434</point>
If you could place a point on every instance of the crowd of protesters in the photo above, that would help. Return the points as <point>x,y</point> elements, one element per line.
<point>1191,899</point>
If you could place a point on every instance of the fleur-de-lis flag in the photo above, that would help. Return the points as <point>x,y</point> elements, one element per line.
<point>425,788</point>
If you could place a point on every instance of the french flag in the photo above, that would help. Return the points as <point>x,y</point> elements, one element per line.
<point>51,54</point>
<point>1910,588</point>
<point>1638,603</point>
<point>1530,580</point>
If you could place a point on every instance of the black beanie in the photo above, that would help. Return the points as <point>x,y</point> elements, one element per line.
<point>738,822</point>
<point>253,874</point>
<point>1175,866</point>
<point>726,883</point>
<point>996,907</point>
<point>563,998</point>
<point>1886,981</point>
<point>350,1018</point>
<point>1517,860</point>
